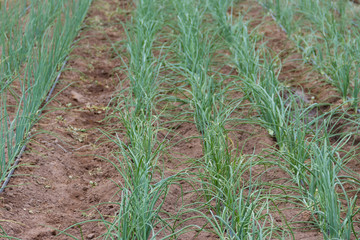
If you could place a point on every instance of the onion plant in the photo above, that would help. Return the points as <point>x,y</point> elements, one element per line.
<point>23,27</point>
<point>219,10</point>
<point>243,219</point>
<point>32,52</point>
<point>141,67</point>
<point>142,193</point>
<point>143,190</point>
<point>328,37</point>
<point>287,120</point>
<point>194,51</point>
<point>315,166</point>
<point>221,168</point>
<point>325,167</point>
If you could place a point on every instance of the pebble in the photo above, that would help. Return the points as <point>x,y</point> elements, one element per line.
<point>7,207</point>
<point>91,236</point>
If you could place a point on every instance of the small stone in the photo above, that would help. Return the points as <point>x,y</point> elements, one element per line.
<point>91,236</point>
<point>77,96</point>
<point>7,207</point>
<point>92,183</point>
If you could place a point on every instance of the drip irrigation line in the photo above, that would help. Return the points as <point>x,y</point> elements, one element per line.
<point>56,80</point>
<point>24,147</point>
<point>13,169</point>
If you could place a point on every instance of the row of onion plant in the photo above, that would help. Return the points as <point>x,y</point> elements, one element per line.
<point>328,36</point>
<point>233,203</point>
<point>35,40</point>
<point>144,188</point>
<point>300,138</point>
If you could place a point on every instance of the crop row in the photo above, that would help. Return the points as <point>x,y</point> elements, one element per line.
<point>327,33</point>
<point>143,188</point>
<point>313,160</point>
<point>36,37</point>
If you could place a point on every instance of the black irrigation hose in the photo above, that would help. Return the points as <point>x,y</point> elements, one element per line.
<point>24,147</point>
<point>56,81</point>
<point>313,62</point>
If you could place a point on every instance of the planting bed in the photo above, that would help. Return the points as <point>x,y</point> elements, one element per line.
<point>187,120</point>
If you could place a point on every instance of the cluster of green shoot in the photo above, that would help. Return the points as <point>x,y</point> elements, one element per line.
<point>36,37</point>
<point>328,34</point>
<point>143,189</point>
<point>303,141</point>
<point>231,203</point>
